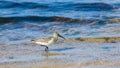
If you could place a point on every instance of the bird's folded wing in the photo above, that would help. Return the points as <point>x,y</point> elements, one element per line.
<point>43,39</point>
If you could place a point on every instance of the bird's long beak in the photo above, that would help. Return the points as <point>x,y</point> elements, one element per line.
<point>61,36</point>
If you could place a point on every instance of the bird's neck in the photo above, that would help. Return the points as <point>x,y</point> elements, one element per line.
<point>55,38</point>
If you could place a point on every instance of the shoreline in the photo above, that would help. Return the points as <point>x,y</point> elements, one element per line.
<point>62,54</point>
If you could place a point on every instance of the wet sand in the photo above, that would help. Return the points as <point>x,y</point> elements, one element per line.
<point>71,53</point>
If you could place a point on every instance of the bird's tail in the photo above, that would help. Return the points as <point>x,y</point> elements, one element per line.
<point>32,40</point>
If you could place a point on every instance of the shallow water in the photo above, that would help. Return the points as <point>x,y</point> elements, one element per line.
<point>24,20</point>
<point>67,54</point>
<point>21,21</point>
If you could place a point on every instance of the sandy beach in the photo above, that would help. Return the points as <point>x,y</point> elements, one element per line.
<point>70,53</point>
<point>91,29</point>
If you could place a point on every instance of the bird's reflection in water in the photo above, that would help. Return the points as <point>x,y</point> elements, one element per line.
<point>56,52</point>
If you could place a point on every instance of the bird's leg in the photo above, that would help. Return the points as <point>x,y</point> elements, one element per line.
<point>46,49</point>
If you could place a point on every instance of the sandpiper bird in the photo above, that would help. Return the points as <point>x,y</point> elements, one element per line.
<point>48,40</point>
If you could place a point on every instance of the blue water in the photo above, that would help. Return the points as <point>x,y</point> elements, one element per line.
<point>23,20</point>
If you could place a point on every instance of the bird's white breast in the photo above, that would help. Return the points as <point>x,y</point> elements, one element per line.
<point>46,42</point>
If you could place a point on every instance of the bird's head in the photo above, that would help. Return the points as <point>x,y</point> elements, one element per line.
<point>56,34</point>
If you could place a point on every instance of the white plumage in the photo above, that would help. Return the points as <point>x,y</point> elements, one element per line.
<point>48,40</point>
